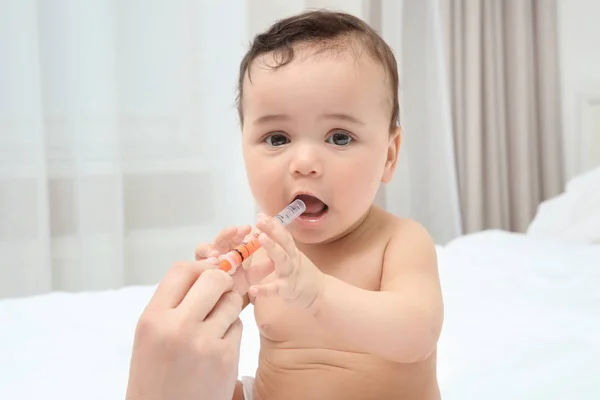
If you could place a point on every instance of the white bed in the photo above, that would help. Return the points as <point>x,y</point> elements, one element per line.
<point>522,322</point>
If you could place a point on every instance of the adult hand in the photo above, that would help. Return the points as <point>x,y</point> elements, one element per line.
<point>187,341</point>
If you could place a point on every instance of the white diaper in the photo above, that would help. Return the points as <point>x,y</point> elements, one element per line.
<point>248,386</point>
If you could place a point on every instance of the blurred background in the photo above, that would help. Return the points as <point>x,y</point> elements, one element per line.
<point>120,145</point>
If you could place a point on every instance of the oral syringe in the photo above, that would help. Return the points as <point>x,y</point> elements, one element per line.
<point>230,261</point>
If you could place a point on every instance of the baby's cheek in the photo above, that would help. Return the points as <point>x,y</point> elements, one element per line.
<point>361,179</point>
<point>361,185</point>
<point>266,185</point>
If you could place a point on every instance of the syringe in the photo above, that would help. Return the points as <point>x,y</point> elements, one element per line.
<point>230,261</point>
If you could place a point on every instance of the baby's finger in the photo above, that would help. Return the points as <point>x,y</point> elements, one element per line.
<point>204,251</point>
<point>277,233</point>
<point>242,232</point>
<point>230,237</point>
<point>266,289</point>
<point>259,272</point>
<point>223,239</point>
<point>281,259</point>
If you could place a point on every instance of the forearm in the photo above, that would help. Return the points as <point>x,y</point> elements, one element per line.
<point>384,323</point>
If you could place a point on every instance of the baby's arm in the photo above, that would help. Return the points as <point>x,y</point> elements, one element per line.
<point>403,321</point>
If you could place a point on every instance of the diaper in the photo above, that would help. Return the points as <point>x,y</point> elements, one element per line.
<point>247,385</point>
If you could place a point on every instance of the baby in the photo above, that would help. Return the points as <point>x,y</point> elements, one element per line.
<point>347,297</point>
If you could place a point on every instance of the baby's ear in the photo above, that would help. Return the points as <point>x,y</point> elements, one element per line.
<point>392,155</point>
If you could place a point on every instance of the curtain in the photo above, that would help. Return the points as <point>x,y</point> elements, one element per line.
<point>504,80</point>
<point>425,187</point>
<point>119,142</point>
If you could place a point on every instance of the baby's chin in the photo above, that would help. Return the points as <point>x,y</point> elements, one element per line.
<point>306,238</point>
<point>311,238</point>
<point>314,237</point>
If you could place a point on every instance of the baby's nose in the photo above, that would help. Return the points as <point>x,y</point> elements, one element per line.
<point>306,162</point>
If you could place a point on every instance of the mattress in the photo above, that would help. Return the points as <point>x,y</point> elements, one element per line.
<point>521,322</point>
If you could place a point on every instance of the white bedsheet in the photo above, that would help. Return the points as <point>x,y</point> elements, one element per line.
<point>522,322</point>
<point>522,319</point>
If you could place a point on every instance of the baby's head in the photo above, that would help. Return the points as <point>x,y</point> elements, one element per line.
<point>318,105</point>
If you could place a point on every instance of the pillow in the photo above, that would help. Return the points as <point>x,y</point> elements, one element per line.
<point>574,215</point>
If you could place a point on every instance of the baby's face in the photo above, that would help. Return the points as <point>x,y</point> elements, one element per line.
<point>318,126</point>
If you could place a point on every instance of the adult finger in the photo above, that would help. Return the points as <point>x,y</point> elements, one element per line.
<point>234,335</point>
<point>176,283</point>
<point>205,293</point>
<point>225,312</point>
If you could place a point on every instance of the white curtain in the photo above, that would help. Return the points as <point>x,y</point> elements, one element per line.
<point>119,143</point>
<point>119,140</point>
<point>425,187</point>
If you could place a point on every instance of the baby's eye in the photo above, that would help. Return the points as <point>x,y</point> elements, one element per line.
<point>339,139</point>
<point>276,140</point>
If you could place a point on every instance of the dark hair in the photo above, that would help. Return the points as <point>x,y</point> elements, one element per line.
<point>326,30</point>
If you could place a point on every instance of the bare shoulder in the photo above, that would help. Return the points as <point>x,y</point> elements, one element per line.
<point>410,268</point>
<point>403,234</point>
<point>410,251</point>
<point>407,233</point>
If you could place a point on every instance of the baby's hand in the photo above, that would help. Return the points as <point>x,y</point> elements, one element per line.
<point>295,278</point>
<point>225,241</point>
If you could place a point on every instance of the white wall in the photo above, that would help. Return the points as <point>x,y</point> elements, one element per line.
<point>579,46</point>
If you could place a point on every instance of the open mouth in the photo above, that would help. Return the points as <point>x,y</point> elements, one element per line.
<point>315,208</point>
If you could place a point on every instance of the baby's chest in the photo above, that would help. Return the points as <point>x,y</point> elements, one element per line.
<point>279,322</point>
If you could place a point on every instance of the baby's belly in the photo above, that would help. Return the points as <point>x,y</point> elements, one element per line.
<point>320,373</point>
